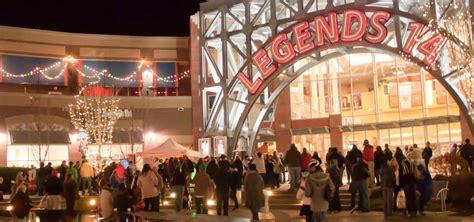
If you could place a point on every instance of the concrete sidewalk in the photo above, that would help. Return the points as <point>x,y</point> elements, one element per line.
<point>293,216</point>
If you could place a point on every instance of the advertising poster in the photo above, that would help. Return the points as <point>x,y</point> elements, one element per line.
<point>205,146</point>
<point>220,145</point>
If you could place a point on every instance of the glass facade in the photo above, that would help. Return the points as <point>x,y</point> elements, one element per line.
<point>379,97</point>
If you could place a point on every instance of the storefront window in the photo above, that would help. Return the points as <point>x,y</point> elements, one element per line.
<point>26,155</point>
<point>372,90</point>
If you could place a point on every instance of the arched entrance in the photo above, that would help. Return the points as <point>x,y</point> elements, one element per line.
<point>249,51</point>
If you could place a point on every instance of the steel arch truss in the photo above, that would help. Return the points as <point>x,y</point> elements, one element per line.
<point>232,32</point>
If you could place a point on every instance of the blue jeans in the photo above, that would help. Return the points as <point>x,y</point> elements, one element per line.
<point>178,204</point>
<point>319,216</point>
<point>294,177</point>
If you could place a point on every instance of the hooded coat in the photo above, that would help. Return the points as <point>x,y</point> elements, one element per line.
<point>254,186</point>
<point>314,189</point>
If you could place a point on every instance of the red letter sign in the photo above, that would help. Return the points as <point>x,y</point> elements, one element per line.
<point>431,48</point>
<point>351,16</point>
<point>264,63</point>
<point>377,22</point>
<point>251,86</point>
<point>302,35</point>
<point>415,29</point>
<point>323,28</point>
<point>282,49</point>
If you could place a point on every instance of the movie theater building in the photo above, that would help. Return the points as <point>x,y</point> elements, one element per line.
<point>42,71</point>
<point>321,73</point>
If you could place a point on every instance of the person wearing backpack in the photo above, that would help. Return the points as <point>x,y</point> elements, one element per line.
<point>318,187</point>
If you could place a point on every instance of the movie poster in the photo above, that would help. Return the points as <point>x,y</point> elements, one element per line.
<point>220,145</point>
<point>205,146</point>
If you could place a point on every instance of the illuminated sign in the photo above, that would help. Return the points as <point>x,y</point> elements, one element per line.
<point>322,31</point>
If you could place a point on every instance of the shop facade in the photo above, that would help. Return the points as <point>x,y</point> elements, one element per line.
<point>331,73</point>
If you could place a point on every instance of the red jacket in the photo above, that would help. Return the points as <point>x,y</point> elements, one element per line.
<point>305,160</point>
<point>368,153</point>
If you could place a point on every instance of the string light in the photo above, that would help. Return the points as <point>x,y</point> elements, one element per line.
<point>69,60</point>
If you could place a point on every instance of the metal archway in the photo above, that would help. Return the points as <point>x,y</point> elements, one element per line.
<point>232,31</point>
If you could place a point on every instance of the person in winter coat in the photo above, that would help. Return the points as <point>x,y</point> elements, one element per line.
<point>41,178</point>
<point>70,192</point>
<point>316,157</point>
<point>211,169</point>
<point>360,186</point>
<point>425,187</point>
<point>237,164</point>
<point>269,172</point>
<point>179,185</point>
<point>306,207</point>
<point>253,185</point>
<point>87,173</point>
<point>260,163</point>
<point>399,156</point>
<point>54,189</point>
<point>106,201</point>
<point>335,176</point>
<point>351,159</point>
<point>73,171</point>
<point>305,159</point>
<point>150,184</point>
<point>315,188</point>
<point>222,181</point>
<point>293,161</point>
<point>278,168</point>
<point>235,185</point>
<point>427,154</point>
<point>388,183</point>
<point>203,185</point>
<point>408,183</point>
<point>388,153</point>
<point>21,203</point>
<point>379,159</point>
<point>368,157</point>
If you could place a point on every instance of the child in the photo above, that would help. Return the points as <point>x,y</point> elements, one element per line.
<point>335,175</point>
<point>306,208</point>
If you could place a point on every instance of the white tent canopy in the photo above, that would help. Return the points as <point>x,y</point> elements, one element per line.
<point>170,148</point>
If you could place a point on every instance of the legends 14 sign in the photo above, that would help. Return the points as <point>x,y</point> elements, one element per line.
<point>356,26</point>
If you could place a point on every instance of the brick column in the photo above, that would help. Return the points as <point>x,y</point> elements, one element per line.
<point>283,120</point>
<point>195,73</point>
<point>334,132</point>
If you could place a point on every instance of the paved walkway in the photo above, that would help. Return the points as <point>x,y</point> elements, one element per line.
<point>244,215</point>
<point>281,215</point>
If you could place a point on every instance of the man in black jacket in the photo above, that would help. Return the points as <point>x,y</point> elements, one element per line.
<point>360,185</point>
<point>427,154</point>
<point>42,176</point>
<point>351,158</point>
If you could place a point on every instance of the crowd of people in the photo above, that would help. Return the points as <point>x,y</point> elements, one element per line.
<point>403,177</point>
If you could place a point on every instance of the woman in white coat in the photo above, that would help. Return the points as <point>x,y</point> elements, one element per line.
<point>306,208</point>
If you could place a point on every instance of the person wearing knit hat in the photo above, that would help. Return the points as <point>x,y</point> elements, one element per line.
<point>203,184</point>
<point>313,165</point>
<point>316,187</point>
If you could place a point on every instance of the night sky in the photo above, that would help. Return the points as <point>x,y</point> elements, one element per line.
<point>121,17</point>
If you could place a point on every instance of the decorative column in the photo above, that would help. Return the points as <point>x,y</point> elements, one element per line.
<point>335,121</point>
<point>283,121</point>
<point>195,73</point>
